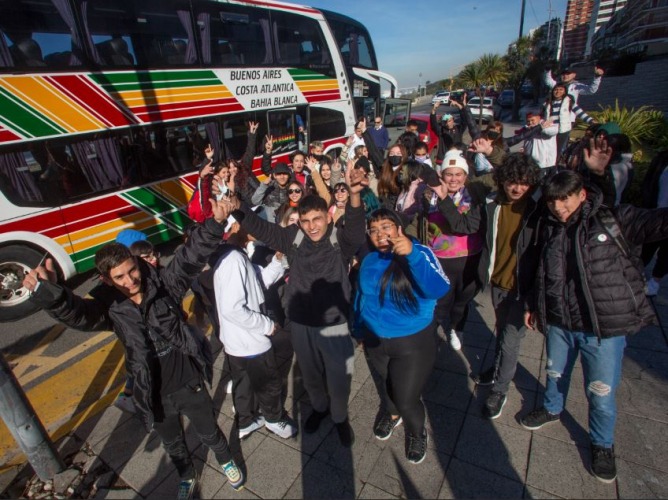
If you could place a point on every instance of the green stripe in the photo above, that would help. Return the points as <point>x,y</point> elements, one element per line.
<point>18,116</point>
<point>150,76</point>
<point>304,74</point>
<point>150,201</point>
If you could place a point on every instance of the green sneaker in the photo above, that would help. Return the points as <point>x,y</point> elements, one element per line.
<point>234,475</point>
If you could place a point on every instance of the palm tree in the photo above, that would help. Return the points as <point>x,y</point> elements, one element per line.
<point>489,69</point>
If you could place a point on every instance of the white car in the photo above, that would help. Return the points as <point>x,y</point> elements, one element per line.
<point>487,108</point>
<point>443,97</point>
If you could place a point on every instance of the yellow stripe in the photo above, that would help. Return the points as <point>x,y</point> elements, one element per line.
<point>102,233</point>
<point>55,105</point>
<point>177,192</point>
<point>167,96</point>
<point>318,84</point>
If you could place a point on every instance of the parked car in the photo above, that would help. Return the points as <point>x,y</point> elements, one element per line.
<point>443,97</point>
<point>507,98</point>
<point>527,91</point>
<point>487,108</point>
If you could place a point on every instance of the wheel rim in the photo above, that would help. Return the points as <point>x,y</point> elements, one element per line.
<point>12,291</point>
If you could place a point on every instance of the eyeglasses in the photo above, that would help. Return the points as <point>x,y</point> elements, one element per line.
<point>294,191</point>
<point>377,123</point>
<point>385,228</point>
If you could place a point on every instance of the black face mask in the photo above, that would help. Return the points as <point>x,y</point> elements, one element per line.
<point>491,134</point>
<point>395,161</point>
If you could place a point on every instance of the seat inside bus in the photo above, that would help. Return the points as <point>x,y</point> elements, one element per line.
<point>115,52</point>
<point>27,52</point>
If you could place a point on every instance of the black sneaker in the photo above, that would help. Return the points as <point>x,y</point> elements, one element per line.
<point>486,377</point>
<point>494,405</point>
<point>416,447</point>
<point>346,434</point>
<point>313,421</point>
<point>538,418</point>
<point>603,463</point>
<point>386,426</point>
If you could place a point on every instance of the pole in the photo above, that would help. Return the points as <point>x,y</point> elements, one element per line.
<point>524,4</point>
<point>21,420</point>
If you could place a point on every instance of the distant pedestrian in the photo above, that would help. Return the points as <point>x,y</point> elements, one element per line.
<point>379,135</point>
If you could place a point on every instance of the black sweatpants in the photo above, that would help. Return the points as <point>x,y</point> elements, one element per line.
<point>404,365</point>
<point>256,383</point>
<point>193,401</point>
<point>452,309</point>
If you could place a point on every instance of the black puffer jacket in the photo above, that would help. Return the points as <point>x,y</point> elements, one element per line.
<point>160,312</point>
<point>585,282</point>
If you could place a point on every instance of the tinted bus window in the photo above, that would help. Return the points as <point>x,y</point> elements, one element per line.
<point>354,43</point>
<point>233,36</point>
<point>326,123</point>
<point>35,37</point>
<point>299,42</point>
<point>155,34</point>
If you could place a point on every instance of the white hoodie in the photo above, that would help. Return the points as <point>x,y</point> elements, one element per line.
<point>244,329</point>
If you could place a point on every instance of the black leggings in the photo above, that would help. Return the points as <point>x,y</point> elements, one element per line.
<point>452,309</point>
<point>404,365</point>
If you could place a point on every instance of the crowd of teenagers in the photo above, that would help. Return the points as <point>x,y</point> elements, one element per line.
<point>385,248</point>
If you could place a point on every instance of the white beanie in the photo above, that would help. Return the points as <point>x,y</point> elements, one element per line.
<point>454,158</point>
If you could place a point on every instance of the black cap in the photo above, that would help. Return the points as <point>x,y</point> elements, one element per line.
<point>568,70</point>
<point>281,168</point>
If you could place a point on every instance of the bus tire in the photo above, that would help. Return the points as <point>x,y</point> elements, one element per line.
<point>15,262</point>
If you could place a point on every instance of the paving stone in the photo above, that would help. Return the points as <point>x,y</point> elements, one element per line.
<point>466,361</point>
<point>101,426</point>
<point>572,427</point>
<point>147,468</point>
<point>573,463</point>
<point>396,475</point>
<point>273,468</point>
<point>450,389</point>
<point>478,335</point>
<point>642,441</point>
<point>531,492</point>
<point>369,491</point>
<point>464,480</point>
<point>241,449</point>
<point>211,481</point>
<point>644,398</point>
<point>116,494</point>
<point>303,442</point>
<point>529,374</point>
<point>650,338</point>
<point>125,441</point>
<point>443,427</point>
<point>645,365</point>
<point>322,480</point>
<point>636,481</point>
<point>533,345</point>
<point>495,447</point>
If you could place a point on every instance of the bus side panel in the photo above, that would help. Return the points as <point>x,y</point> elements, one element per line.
<point>158,210</point>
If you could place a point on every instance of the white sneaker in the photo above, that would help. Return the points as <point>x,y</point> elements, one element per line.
<point>455,343</point>
<point>255,425</point>
<point>653,287</point>
<point>125,403</point>
<point>284,428</point>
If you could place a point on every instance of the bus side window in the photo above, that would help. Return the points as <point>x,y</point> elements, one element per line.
<point>27,52</point>
<point>115,52</point>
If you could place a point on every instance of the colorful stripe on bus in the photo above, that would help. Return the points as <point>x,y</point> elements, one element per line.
<point>43,106</point>
<point>82,228</point>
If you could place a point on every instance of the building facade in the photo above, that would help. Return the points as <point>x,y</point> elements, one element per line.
<point>576,29</point>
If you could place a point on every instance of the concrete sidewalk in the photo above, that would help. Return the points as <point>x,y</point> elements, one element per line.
<point>469,456</point>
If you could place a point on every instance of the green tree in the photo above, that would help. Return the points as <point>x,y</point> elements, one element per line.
<point>518,61</point>
<point>488,70</point>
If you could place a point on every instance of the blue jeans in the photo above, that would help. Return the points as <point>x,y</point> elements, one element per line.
<point>602,368</point>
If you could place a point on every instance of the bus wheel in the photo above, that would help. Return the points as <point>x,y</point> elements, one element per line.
<point>15,262</point>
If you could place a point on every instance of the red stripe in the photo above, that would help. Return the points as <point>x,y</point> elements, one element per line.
<point>315,93</point>
<point>190,113</point>
<point>78,225</point>
<point>8,135</point>
<point>162,108</point>
<point>91,208</point>
<point>80,90</point>
<point>320,98</point>
<point>36,223</point>
<point>282,6</point>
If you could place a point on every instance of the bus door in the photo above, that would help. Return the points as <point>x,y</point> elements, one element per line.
<point>395,113</point>
<point>289,129</point>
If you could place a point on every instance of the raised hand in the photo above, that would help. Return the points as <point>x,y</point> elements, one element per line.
<point>206,170</point>
<point>268,143</point>
<point>597,156</point>
<point>253,126</point>
<point>598,71</point>
<point>43,272</point>
<point>209,151</point>
<point>481,145</point>
<point>221,209</point>
<point>312,163</point>
<point>357,179</point>
<point>362,124</point>
<point>402,244</point>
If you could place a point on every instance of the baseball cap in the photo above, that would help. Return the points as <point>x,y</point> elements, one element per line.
<point>568,70</point>
<point>454,158</point>
<point>609,128</point>
<point>128,236</point>
<point>281,168</point>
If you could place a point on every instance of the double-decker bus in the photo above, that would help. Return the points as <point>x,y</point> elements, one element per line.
<point>359,58</point>
<point>106,107</point>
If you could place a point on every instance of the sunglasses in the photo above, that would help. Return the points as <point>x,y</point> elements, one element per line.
<point>294,191</point>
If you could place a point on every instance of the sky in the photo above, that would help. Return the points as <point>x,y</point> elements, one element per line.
<point>438,37</point>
